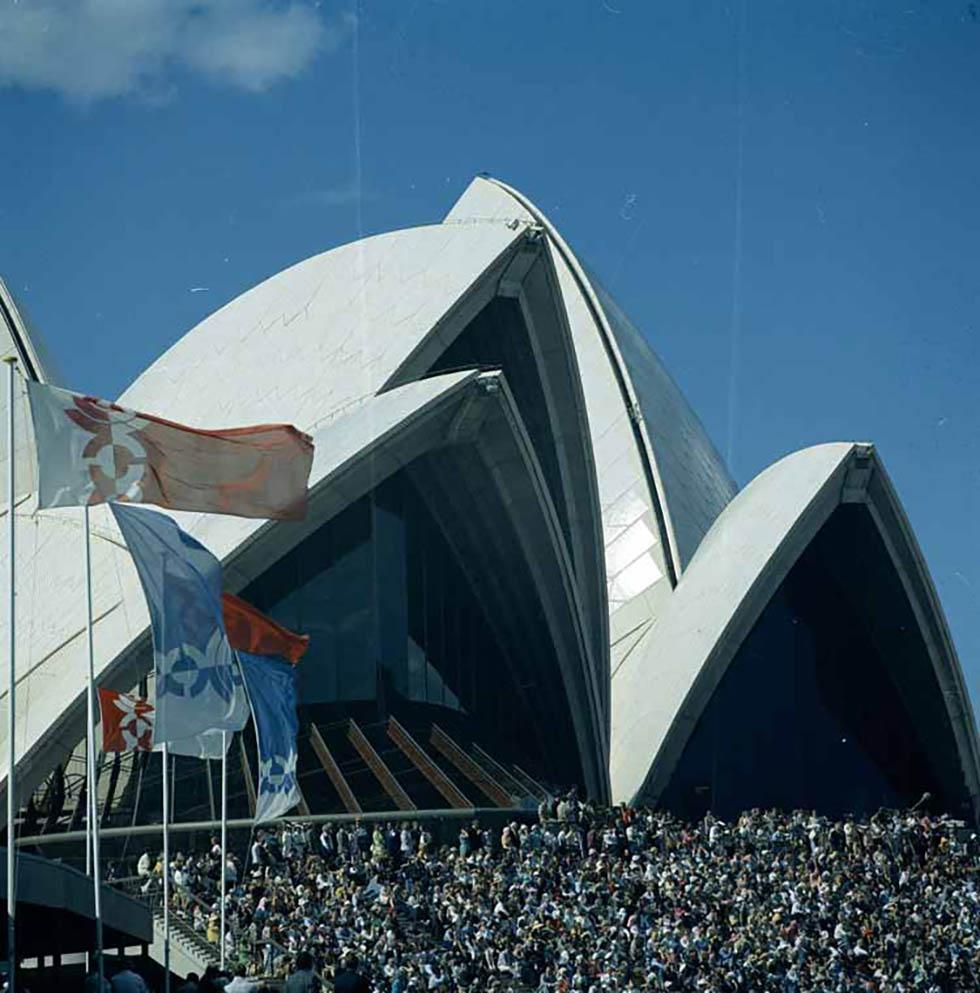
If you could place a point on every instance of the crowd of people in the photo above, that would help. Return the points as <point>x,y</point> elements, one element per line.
<point>618,899</point>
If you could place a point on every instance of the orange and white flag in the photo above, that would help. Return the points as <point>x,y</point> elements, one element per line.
<point>90,451</point>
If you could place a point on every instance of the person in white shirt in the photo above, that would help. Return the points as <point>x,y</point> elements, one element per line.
<point>240,984</point>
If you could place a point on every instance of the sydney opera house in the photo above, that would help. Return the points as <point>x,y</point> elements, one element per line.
<point>525,565</point>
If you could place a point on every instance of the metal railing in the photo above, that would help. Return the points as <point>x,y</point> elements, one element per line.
<point>271,955</point>
<point>368,817</point>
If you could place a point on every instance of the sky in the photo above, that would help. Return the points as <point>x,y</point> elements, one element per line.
<point>785,197</point>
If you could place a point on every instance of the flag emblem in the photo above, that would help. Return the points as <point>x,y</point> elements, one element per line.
<point>277,775</point>
<point>127,722</point>
<point>115,456</point>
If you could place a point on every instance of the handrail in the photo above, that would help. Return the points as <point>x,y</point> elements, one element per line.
<point>152,898</point>
<point>240,823</point>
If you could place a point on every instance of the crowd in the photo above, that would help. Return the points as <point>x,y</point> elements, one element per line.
<point>594,900</point>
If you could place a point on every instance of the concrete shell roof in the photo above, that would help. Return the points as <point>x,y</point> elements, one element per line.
<point>686,475</point>
<point>661,690</point>
<point>304,345</point>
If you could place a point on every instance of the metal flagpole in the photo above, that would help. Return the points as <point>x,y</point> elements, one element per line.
<point>224,838</point>
<point>93,803</point>
<point>11,750</point>
<point>166,869</point>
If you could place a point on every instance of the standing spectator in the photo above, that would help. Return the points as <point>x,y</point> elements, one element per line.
<point>348,979</point>
<point>127,980</point>
<point>327,844</point>
<point>302,979</point>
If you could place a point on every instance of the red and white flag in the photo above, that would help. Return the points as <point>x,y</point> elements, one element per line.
<point>127,722</point>
<point>90,451</point>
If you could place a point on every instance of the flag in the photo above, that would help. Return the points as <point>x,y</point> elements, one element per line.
<point>251,631</point>
<point>127,722</point>
<point>263,646</point>
<point>271,684</point>
<point>90,451</point>
<point>198,682</point>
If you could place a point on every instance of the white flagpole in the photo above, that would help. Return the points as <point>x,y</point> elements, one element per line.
<point>11,727</point>
<point>93,804</point>
<point>224,837</point>
<point>166,869</point>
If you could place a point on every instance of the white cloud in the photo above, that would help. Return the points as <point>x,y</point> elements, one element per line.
<point>89,50</point>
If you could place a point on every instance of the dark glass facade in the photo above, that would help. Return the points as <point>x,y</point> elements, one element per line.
<point>814,711</point>
<point>387,608</point>
<point>396,628</point>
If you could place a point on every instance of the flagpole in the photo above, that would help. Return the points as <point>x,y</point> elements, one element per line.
<point>166,869</point>
<point>93,804</point>
<point>11,690</point>
<point>224,838</point>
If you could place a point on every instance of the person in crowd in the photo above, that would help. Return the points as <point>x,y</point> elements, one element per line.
<point>302,979</point>
<point>240,982</point>
<point>92,984</point>
<point>328,845</point>
<point>213,980</point>
<point>348,979</point>
<point>192,984</point>
<point>128,980</point>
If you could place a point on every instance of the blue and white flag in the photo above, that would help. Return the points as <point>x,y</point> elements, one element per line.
<point>271,685</point>
<point>198,682</point>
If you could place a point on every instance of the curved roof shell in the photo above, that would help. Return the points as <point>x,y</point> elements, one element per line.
<point>660,479</point>
<point>737,569</point>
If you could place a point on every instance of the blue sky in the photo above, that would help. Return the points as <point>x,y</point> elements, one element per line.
<point>784,196</point>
